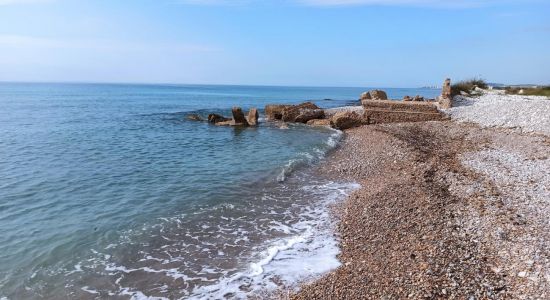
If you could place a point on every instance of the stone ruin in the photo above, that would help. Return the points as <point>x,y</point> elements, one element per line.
<point>376,109</point>
<point>446,100</point>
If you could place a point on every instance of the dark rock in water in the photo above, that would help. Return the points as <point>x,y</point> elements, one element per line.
<point>309,114</point>
<point>347,119</point>
<point>238,117</point>
<point>418,98</point>
<point>253,117</point>
<point>225,123</point>
<point>319,122</point>
<point>290,113</point>
<point>194,117</point>
<point>275,112</point>
<point>407,98</point>
<point>215,118</point>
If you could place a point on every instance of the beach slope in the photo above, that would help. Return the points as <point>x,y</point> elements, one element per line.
<point>446,210</point>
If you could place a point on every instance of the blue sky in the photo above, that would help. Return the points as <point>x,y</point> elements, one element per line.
<point>392,43</point>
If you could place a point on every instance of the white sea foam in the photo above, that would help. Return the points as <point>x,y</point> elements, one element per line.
<point>306,255</point>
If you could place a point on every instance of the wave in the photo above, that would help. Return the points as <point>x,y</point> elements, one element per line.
<point>288,261</point>
<point>312,156</point>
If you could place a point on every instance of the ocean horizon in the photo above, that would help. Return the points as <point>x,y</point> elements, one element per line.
<point>109,190</point>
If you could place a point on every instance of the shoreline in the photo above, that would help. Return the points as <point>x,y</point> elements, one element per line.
<point>413,229</point>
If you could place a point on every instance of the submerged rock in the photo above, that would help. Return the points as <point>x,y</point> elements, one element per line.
<point>194,117</point>
<point>225,123</point>
<point>345,120</point>
<point>215,118</point>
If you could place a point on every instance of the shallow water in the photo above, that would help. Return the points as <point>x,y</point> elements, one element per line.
<point>107,190</point>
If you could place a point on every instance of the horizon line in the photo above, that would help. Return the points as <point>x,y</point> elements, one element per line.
<point>207,84</point>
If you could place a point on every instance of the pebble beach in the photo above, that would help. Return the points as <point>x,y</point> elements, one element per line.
<point>454,209</point>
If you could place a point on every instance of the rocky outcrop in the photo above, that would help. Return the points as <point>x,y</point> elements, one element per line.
<point>275,111</point>
<point>302,113</point>
<point>309,114</point>
<point>252,117</point>
<point>215,118</point>
<point>407,98</point>
<point>238,117</point>
<point>346,120</point>
<point>319,122</point>
<point>418,98</point>
<point>194,117</point>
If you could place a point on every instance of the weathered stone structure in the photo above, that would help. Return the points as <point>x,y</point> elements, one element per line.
<point>253,117</point>
<point>446,100</point>
<point>387,111</point>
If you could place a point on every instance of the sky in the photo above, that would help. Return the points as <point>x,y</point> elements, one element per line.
<point>391,43</point>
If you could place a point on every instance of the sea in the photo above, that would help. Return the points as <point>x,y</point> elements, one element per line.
<point>109,191</point>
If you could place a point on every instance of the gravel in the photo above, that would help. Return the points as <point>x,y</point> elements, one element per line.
<point>446,210</point>
<point>495,109</point>
<point>515,220</point>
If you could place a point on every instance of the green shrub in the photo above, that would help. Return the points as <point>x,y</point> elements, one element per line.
<point>538,91</point>
<point>468,86</point>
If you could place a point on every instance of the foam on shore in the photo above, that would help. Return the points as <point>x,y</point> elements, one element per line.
<point>289,261</point>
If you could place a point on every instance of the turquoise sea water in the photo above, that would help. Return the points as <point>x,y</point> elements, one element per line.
<point>108,191</point>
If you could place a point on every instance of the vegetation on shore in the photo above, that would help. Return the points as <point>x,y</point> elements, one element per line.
<point>468,86</point>
<point>534,91</point>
